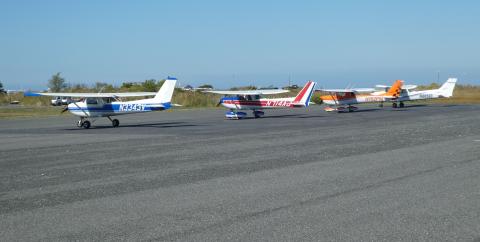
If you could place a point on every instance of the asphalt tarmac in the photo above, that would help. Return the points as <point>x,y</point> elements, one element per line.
<point>294,175</point>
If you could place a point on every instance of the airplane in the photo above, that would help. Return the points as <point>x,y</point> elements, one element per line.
<point>252,100</point>
<point>445,91</point>
<point>347,97</point>
<point>95,105</point>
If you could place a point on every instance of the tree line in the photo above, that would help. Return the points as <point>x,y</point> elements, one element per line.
<point>57,83</point>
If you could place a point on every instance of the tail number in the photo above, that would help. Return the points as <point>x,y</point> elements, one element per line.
<point>128,107</point>
<point>279,103</point>
<point>426,95</point>
<point>374,99</point>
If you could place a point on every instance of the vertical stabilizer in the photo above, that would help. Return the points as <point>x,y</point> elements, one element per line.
<point>396,88</point>
<point>303,97</point>
<point>446,90</point>
<point>165,93</point>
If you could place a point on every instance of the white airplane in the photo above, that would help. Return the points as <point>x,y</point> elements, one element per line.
<point>252,100</point>
<point>445,91</point>
<point>342,100</point>
<point>95,105</point>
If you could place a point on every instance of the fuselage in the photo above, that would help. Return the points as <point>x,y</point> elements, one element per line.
<point>419,95</point>
<point>104,107</point>
<point>352,98</point>
<point>257,103</point>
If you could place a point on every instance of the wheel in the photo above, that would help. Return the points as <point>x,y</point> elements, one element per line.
<point>394,105</point>
<point>86,124</point>
<point>115,123</point>
<point>380,105</point>
<point>402,105</point>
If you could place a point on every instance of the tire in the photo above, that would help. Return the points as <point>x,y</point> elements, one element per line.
<point>394,105</point>
<point>402,105</point>
<point>115,123</point>
<point>86,124</point>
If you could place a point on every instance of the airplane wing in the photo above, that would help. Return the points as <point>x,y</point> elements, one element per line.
<point>406,87</point>
<point>81,94</point>
<point>347,90</point>
<point>251,92</point>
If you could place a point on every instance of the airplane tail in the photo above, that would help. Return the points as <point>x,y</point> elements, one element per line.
<point>396,88</point>
<point>303,97</point>
<point>446,90</point>
<point>165,93</point>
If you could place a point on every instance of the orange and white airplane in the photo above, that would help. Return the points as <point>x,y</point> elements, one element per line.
<point>341,100</point>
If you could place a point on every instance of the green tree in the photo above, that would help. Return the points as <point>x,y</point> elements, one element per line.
<point>126,85</point>
<point>1,88</point>
<point>57,83</point>
<point>206,86</point>
<point>251,87</point>
<point>150,85</point>
<point>104,87</point>
<point>316,99</point>
<point>79,87</point>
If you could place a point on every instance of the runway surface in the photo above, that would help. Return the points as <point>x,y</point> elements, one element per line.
<point>301,175</point>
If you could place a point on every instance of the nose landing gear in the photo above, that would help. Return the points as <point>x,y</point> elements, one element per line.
<point>82,123</point>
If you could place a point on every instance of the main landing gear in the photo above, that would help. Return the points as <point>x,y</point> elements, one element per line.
<point>352,108</point>
<point>258,114</point>
<point>84,123</point>
<point>399,105</point>
<point>115,122</point>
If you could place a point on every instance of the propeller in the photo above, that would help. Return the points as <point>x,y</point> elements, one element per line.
<point>220,102</point>
<point>64,109</point>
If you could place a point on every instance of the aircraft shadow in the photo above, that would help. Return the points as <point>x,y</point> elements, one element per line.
<point>312,116</point>
<point>142,125</point>
<point>415,106</point>
<point>274,116</point>
<point>361,110</point>
<point>287,116</point>
<point>450,105</point>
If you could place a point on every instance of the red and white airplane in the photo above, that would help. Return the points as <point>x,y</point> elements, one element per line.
<point>252,100</point>
<point>337,99</point>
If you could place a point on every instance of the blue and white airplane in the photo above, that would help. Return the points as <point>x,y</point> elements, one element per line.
<point>95,105</point>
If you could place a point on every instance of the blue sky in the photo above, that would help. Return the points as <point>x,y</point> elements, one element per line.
<point>233,43</point>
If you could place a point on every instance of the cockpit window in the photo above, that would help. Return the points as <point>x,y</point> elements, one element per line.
<point>92,101</point>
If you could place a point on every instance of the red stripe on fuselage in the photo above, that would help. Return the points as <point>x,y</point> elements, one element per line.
<point>263,103</point>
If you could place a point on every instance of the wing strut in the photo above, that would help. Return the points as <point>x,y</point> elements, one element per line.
<point>75,103</point>
<point>335,100</point>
